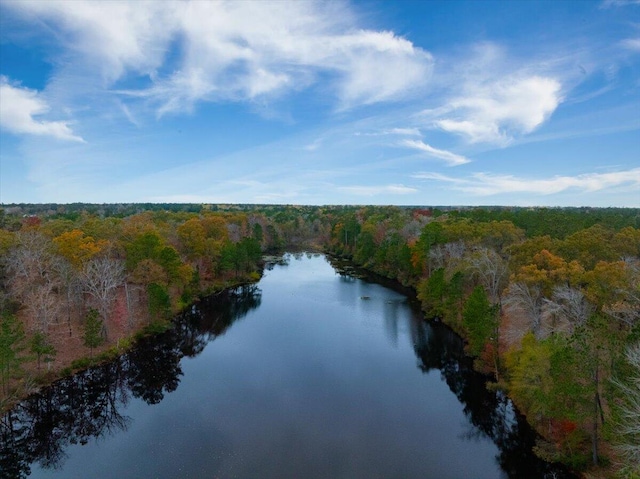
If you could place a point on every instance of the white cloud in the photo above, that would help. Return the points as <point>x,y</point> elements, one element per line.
<point>403,132</point>
<point>391,131</point>
<point>495,111</point>
<point>619,3</point>
<point>631,44</point>
<point>483,184</point>
<point>19,106</point>
<point>314,145</point>
<point>112,37</point>
<point>377,66</point>
<point>196,51</point>
<point>378,190</point>
<point>450,158</point>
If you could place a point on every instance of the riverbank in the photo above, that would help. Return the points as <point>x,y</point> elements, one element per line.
<point>348,266</point>
<point>73,356</point>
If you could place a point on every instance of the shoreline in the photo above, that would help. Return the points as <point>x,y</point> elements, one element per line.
<point>35,380</point>
<point>412,294</point>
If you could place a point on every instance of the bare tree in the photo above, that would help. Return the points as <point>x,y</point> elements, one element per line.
<point>627,309</point>
<point>447,255</point>
<point>29,261</point>
<point>491,270</point>
<point>32,279</point>
<point>437,257</point>
<point>43,304</point>
<point>524,301</point>
<point>629,422</point>
<point>567,309</point>
<point>100,278</point>
<point>70,285</point>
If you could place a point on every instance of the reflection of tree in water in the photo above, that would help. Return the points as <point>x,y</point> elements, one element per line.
<point>85,406</point>
<point>492,413</point>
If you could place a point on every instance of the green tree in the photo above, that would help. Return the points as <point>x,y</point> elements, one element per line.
<point>480,320</point>
<point>431,235</point>
<point>11,345</point>
<point>169,259</point>
<point>193,237</point>
<point>145,246</point>
<point>159,301</point>
<point>257,233</point>
<point>93,328</point>
<point>598,343</point>
<point>41,347</point>
<point>432,294</point>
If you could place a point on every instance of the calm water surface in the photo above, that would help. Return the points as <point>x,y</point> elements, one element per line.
<point>311,374</point>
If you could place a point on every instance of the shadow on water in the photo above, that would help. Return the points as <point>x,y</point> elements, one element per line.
<point>491,412</point>
<point>85,406</point>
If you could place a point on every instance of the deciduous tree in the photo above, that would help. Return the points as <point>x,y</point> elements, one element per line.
<point>628,441</point>
<point>491,270</point>
<point>101,277</point>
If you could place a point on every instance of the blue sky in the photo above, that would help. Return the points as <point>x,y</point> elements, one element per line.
<point>409,103</point>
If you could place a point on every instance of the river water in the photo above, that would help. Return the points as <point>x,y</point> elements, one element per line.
<point>310,373</point>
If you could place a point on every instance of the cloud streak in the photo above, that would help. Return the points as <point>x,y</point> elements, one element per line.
<point>483,184</point>
<point>632,44</point>
<point>378,190</point>
<point>448,157</point>
<point>18,109</point>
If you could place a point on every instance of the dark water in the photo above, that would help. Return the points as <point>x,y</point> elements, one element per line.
<point>309,374</point>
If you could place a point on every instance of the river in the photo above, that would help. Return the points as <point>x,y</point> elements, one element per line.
<point>310,373</point>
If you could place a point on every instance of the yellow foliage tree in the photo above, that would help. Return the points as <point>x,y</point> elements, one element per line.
<point>78,248</point>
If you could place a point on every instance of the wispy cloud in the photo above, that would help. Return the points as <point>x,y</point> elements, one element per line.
<point>314,145</point>
<point>631,44</point>
<point>404,131</point>
<point>448,157</point>
<point>18,109</point>
<point>483,184</point>
<point>390,131</point>
<point>378,190</point>
<point>193,51</point>
<point>619,3</point>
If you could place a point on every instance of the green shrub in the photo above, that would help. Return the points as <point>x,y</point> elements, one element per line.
<point>81,363</point>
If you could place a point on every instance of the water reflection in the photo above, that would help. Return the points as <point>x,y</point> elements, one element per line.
<point>85,406</point>
<point>490,412</point>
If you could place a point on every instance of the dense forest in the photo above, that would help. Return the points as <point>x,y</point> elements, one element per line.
<point>547,299</point>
